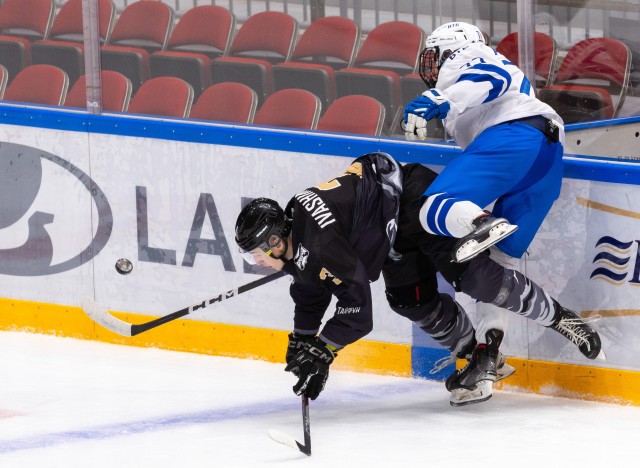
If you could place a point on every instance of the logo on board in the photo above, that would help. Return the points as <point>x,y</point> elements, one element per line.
<point>32,184</point>
<point>617,261</point>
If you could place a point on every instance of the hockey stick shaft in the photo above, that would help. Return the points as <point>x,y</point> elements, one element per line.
<point>306,426</point>
<point>104,318</point>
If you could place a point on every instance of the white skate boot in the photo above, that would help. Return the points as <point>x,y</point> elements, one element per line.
<point>487,231</point>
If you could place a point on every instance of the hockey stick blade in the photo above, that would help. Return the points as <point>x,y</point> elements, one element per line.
<point>306,426</point>
<point>283,438</point>
<point>100,315</point>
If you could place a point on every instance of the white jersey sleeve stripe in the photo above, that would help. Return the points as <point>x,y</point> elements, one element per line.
<point>488,72</point>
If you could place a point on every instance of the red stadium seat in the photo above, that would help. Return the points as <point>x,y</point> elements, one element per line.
<point>264,39</point>
<point>291,108</point>
<point>65,47</point>
<point>593,71</point>
<point>226,102</point>
<point>166,95</point>
<point>202,34</point>
<point>357,114</point>
<point>390,51</point>
<point>39,84</point>
<point>20,25</point>
<point>326,45</point>
<point>545,51</point>
<point>142,28</point>
<point>116,92</point>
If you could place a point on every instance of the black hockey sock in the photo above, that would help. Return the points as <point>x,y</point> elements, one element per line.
<point>450,326</point>
<point>487,281</point>
<point>521,295</point>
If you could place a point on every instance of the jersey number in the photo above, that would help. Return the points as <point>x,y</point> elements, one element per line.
<point>355,168</point>
<point>324,274</point>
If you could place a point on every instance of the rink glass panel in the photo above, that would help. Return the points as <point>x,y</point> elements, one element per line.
<point>585,63</point>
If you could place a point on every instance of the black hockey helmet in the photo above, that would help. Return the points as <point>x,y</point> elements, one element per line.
<point>262,223</point>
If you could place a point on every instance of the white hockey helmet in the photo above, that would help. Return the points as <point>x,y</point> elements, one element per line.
<point>443,42</point>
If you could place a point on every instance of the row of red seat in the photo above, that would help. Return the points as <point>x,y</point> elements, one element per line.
<point>204,48</point>
<point>224,102</point>
<point>593,72</point>
<point>331,58</point>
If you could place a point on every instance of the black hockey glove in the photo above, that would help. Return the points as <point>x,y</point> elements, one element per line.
<point>296,344</point>
<point>312,364</point>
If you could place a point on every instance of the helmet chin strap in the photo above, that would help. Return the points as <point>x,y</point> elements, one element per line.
<point>283,256</point>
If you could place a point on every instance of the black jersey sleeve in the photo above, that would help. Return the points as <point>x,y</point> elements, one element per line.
<point>352,319</point>
<point>311,302</point>
<point>347,278</point>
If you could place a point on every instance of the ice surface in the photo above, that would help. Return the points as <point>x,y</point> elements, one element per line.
<point>71,403</point>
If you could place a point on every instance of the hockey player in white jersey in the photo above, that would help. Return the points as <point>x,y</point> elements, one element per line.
<point>512,145</point>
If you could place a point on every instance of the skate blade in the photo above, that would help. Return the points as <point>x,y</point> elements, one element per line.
<point>463,397</point>
<point>472,248</point>
<point>505,371</point>
<point>601,356</point>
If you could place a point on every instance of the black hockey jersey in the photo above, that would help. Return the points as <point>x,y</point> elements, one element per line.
<point>342,234</point>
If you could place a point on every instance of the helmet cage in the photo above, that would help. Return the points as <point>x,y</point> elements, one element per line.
<point>441,43</point>
<point>430,62</point>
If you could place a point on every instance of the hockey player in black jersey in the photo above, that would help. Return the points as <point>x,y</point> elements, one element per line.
<point>339,236</point>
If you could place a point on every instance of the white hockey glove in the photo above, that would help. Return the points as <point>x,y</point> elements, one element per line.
<point>415,128</point>
<point>430,105</point>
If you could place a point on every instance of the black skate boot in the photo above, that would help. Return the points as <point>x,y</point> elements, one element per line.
<point>474,383</point>
<point>503,370</point>
<point>578,331</point>
<point>487,231</point>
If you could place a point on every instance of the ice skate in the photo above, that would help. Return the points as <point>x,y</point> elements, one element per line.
<point>578,331</point>
<point>474,383</point>
<point>487,231</point>
<point>504,369</point>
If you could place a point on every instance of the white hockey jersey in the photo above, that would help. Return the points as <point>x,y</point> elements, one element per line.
<point>485,89</point>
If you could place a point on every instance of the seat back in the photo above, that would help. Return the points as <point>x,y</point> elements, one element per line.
<point>40,84</point>
<point>67,25</point>
<point>332,40</point>
<point>593,71</point>
<point>269,35</point>
<point>545,52</point>
<point>394,45</point>
<point>226,102</point>
<point>598,57</point>
<point>32,21</point>
<point>357,114</point>
<point>390,51</point>
<point>116,92</point>
<point>165,95</point>
<point>143,24</point>
<point>292,108</point>
<point>204,29</point>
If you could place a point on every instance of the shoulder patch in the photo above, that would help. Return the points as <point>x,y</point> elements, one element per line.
<point>302,255</point>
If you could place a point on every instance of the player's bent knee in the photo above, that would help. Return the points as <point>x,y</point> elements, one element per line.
<point>482,280</point>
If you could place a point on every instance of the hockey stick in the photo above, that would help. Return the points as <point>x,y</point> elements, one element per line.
<point>306,425</point>
<point>100,315</point>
